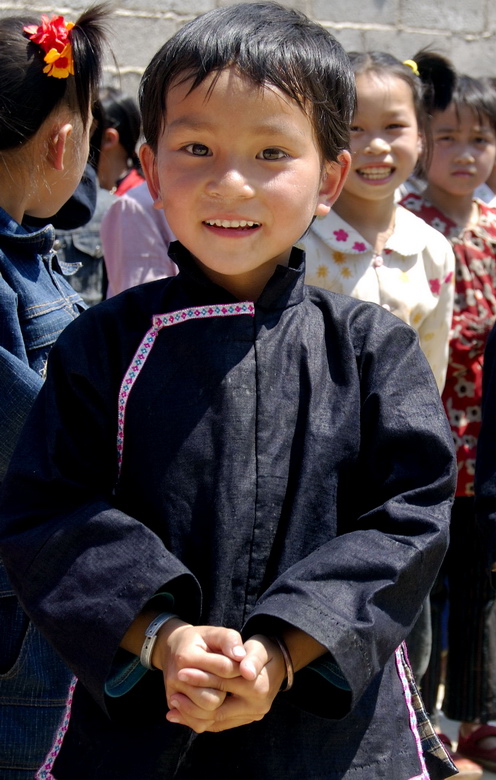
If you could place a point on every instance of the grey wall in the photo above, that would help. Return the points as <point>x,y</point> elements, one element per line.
<point>465,30</point>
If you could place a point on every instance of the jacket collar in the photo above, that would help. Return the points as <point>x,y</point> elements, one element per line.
<point>285,287</point>
<point>22,240</point>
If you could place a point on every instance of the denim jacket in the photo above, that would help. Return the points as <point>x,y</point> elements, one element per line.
<point>36,303</point>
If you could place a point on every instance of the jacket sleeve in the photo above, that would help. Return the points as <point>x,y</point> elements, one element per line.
<point>19,384</point>
<point>63,540</point>
<point>360,593</point>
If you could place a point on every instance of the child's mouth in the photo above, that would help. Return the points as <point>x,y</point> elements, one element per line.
<point>232,224</point>
<point>375,174</point>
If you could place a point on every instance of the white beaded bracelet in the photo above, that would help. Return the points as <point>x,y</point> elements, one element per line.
<point>151,637</point>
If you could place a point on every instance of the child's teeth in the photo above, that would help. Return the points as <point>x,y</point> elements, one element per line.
<point>230,223</point>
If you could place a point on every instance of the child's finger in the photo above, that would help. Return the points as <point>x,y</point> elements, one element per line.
<point>226,641</point>
<point>208,699</point>
<point>188,709</point>
<point>259,650</point>
<point>199,678</point>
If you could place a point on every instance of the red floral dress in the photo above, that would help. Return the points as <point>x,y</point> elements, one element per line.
<point>473,317</point>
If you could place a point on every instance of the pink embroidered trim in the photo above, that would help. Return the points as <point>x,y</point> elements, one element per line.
<point>411,712</point>
<point>164,321</point>
<point>45,771</point>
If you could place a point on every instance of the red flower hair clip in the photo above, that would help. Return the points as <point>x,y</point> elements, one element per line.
<point>53,35</point>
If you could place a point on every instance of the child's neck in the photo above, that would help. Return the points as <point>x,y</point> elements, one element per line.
<point>374,219</point>
<point>462,209</point>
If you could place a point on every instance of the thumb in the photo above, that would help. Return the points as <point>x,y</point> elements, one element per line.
<point>259,650</point>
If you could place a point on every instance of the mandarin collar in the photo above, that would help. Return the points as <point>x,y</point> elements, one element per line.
<point>284,288</point>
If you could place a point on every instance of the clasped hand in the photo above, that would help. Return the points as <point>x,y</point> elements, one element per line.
<point>213,680</point>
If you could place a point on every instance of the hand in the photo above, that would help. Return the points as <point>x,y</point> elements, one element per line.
<point>252,687</point>
<point>212,651</point>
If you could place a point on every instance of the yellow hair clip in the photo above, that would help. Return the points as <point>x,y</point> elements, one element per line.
<point>413,65</point>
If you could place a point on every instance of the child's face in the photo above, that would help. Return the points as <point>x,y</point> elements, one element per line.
<point>463,153</point>
<point>385,140</point>
<point>239,175</point>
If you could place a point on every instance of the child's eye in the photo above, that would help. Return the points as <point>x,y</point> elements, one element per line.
<point>481,140</point>
<point>395,126</point>
<point>199,150</point>
<point>272,153</point>
<point>355,129</point>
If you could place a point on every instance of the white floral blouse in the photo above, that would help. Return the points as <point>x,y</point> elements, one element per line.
<point>413,277</point>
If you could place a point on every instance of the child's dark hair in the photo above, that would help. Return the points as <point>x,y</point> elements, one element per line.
<point>424,86</point>
<point>269,45</point>
<point>476,95</point>
<point>121,112</point>
<point>379,62</point>
<point>27,95</point>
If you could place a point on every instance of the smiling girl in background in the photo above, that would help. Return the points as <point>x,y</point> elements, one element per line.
<point>369,247</point>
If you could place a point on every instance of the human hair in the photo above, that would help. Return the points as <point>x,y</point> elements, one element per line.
<point>476,95</point>
<point>379,62</point>
<point>27,94</point>
<point>121,112</point>
<point>270,46</point>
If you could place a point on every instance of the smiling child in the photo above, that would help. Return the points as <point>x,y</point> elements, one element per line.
<point>233,494</point>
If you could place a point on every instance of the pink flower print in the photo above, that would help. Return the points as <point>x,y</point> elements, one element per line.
<point>341,235</point>
<point>435,285</point>
<point>359,246</point>
<point>448,278</point>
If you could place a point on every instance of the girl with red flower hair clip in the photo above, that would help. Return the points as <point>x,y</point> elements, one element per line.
<point>50,78</point>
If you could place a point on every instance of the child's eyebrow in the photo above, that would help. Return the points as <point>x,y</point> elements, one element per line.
<point>200,124</point>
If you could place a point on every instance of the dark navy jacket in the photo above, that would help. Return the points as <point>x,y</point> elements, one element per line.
<point>293,465</point>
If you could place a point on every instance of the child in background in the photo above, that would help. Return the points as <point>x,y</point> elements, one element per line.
<point>230,477</point>
<point>368,246</point>
<point>487,191</point>
<point>135,240</point>
<point>464,138</point>
<point>50,75</point>
<point>119,168</point>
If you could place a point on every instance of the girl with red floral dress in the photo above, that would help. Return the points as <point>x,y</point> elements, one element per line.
<point>464,147</point>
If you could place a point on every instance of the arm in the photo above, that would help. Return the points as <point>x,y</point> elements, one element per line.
<point>19,384</point>
<point>434,332</point>
<point>359,593</point>
<point>82,542</point>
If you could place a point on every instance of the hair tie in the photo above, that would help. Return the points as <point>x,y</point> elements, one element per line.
<point>413,65</point>
<point>53,36</point>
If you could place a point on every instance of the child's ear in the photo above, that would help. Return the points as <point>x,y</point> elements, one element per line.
<point>57,144</point>
<point>149,167</point>
<point>333,179</point>
<point>110,138</point>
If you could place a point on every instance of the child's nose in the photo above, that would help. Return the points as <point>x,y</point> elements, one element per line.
<point>465,154</point>
<point>229,181</point>
<point>377,145</point>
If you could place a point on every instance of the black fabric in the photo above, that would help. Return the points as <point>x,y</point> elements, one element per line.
<point>296,465</point>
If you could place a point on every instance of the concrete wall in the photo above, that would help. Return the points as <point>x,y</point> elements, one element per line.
<point>465,30</point>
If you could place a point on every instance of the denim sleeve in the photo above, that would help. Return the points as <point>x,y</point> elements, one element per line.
<point>19,386</point>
